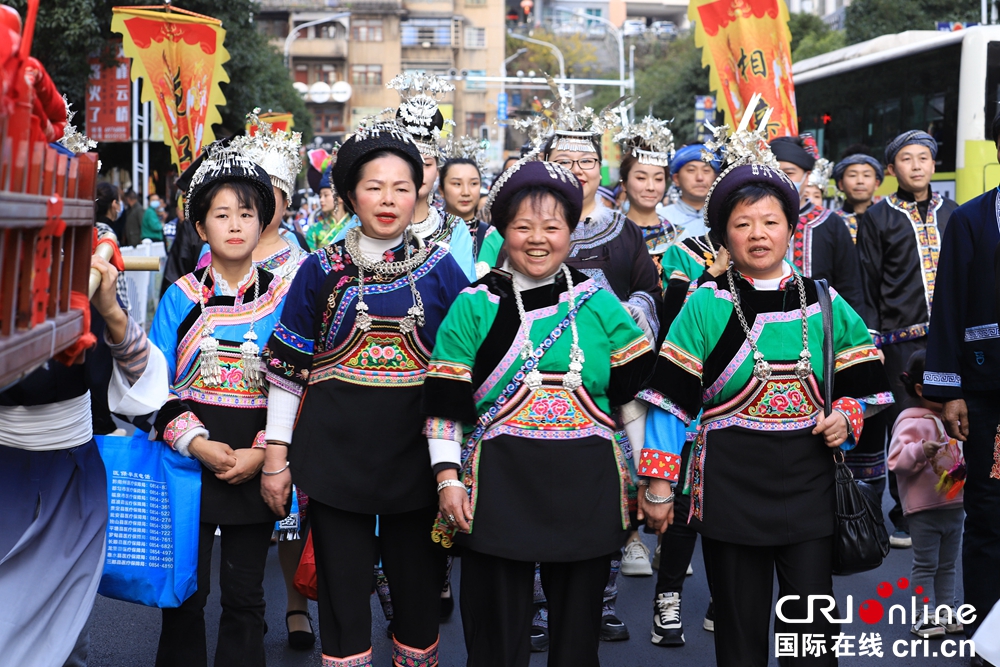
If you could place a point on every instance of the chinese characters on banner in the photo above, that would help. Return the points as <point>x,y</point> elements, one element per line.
<point>109,98</point>
<point>746,43</point>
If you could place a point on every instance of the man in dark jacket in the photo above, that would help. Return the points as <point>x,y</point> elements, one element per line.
<point>899,240</point>
<point>133,219</point>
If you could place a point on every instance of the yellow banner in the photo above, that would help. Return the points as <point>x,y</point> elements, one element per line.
<point>746,43</point>
<point>179,56</point>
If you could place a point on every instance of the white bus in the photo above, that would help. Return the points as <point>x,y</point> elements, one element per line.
<point>945,83</point>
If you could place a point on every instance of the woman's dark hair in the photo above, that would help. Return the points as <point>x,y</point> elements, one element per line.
<point>751,193</point>
<point>107,194</point>
<point>547,148</point>
<point>534,194</point>
<point>914,373</point>
<point>354,176</point>
<point>247,195</point>
<point>451,162</point>
<point>628,162</point>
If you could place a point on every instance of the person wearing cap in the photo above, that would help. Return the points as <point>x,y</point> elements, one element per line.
<point>346,365</point>
<point>858,175</point>
<point>327,223</point>
<point>577,354</point>
<point>963,372</point>
<point>693,176</point>
<point>821,245</point>
<point>762,474</point>
<point>206,325</point>
<point>899,240</point>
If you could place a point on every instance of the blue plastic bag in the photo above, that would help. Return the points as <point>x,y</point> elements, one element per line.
<point>154,507</point>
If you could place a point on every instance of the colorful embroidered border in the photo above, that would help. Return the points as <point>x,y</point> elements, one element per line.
<point>601,424</point>
<point>493,298</point>
<point>623,355</point>
<point>851,220</point>
<point>800,253</point>
<point>613,227</point>
<point>851,409</point>
<point>854,355</point>
<point>179,425</point>
<point>654,397</point>
<point>866,467</point>
<point>995,470</point>
<point>625,480</point>
<point>443,429</point>
<point>927,237</point>
<point>448,370</point>
<point>407,656</point>
<point>292,339</point>
<point>682,358</point>
<point>909,333</point>
<point>659,465</point>
<point>358,660</point>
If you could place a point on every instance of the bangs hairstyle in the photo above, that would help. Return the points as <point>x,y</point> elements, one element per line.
<point>914,373</point>
<point>629,162</point>
<point>534,194</point>
<point>246,194</point>
<point>355,175</point>
<point>547,147</point>
<point>451,162</point>
<point>751,193</point>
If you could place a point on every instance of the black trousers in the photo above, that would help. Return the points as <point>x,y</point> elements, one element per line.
<point>742,588</point>
<point>346,550</point>
<point>241,584</point>
<point>981,539</point>
<point>676,550</point>
<point>497,605</point>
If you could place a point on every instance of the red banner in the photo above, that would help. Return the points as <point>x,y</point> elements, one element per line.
<point>109,98</point>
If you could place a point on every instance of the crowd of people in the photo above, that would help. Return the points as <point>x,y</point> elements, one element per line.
<point>527,375</point>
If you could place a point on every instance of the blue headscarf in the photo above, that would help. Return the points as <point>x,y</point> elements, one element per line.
<point>857,158</point>
<point>324,181</point>
<point>690,154</point>
<point>910,138</point>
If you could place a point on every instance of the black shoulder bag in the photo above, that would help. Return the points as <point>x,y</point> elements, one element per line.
<point>860,540</point>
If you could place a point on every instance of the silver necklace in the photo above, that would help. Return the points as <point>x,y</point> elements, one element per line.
<point>211,370</point>
<point>762,369</point>
<point>384,271</point>
<point>573,379</point>
<point>428,225</point>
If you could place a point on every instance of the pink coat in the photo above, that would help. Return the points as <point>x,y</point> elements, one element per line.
<point>917,476</point>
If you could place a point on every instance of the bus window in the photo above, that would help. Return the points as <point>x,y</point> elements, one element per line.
<point>992,85</point>
<point>874,104</point>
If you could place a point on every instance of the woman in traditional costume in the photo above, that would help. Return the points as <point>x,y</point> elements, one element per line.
<point>747,349</point>
<point>350,355</point>
<point>532,358</point>
<point>460,184</point>
<point>324,225</point>
<point>207,325</point>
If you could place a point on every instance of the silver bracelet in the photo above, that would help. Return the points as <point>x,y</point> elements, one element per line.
<point>449,482</point>
<point>276,472</point>
<point>654,499</point>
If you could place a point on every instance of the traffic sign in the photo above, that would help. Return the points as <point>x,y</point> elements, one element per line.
<point>502,106</point>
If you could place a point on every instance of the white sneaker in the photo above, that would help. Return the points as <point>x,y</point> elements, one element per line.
<point>635,560</point>
<point>667,628</point>
<point>928,630</point>
<point>690,570</point>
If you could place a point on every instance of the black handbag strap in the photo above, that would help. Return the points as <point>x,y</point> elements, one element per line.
<point>826,308</point>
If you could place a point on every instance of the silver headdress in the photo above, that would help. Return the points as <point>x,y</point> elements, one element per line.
<point>820,175</point>
<point>418,109</point>
<point>72,138</point>
<point>571,130</point>
<point>468,148</point>
<point>276,151</point>
<point>376,124</point>
<point>649,140</point>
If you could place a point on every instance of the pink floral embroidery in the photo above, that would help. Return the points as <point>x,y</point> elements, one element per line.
<point>180,425</point>
<point>260,442</point>
<point>388,256</point>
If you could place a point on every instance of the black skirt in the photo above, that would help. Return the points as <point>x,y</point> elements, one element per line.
<point>547,500</point>
<point>765,488</point>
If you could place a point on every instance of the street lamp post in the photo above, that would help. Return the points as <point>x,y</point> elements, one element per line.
<point>555,50</point>
<point>308,24</point>
<point>616,31</point>
<point>502,132</point>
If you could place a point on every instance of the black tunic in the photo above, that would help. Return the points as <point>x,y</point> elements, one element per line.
<point>822,248</point>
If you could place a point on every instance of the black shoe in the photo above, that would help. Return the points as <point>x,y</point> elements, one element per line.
<point>300,640</point>
<point>447,606</point>
<point>539,639</point>
<point>667,628</point>
<point>709,623</point>
<point>613,630</point>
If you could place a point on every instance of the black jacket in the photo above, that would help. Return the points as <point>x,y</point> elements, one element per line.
<point>822,248</point>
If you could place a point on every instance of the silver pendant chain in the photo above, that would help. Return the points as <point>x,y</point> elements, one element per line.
<point>428,225</point>
<point>573,379</point>
<point>211,370</point>
<point>762,369</point>
<point>383,270</point>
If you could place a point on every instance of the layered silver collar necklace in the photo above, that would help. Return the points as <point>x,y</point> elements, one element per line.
<point>383,270</point>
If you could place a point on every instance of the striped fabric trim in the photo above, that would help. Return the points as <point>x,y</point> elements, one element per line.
<point>623,355</point>
<point>132,353</point>
<point>445,370</point>
<point>982,332</point>
<point>407,656</point>
<point>855,355</point>
<point>654,397</point>
<point>942,379</point>
<point>358,660</point>
<point>443,429</point>
<point>685,360</point>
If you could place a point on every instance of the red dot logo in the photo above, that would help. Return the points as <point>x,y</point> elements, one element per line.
<point>918,590</point>
<point>884,589</point>
<point>871,611</point>
<point>903,582</point>
<point>926,599</point>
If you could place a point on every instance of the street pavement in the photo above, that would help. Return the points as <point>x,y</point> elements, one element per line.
<point>125,635</point>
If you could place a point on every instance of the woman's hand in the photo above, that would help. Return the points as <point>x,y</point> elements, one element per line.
<point>720,264</point>
<point>214,455</point>
<point>453,501</point>
<point>105,299</point>
<point>249,461</point>
<point>658,516</point>
<point>276,489</point>
<point>834,428</point>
